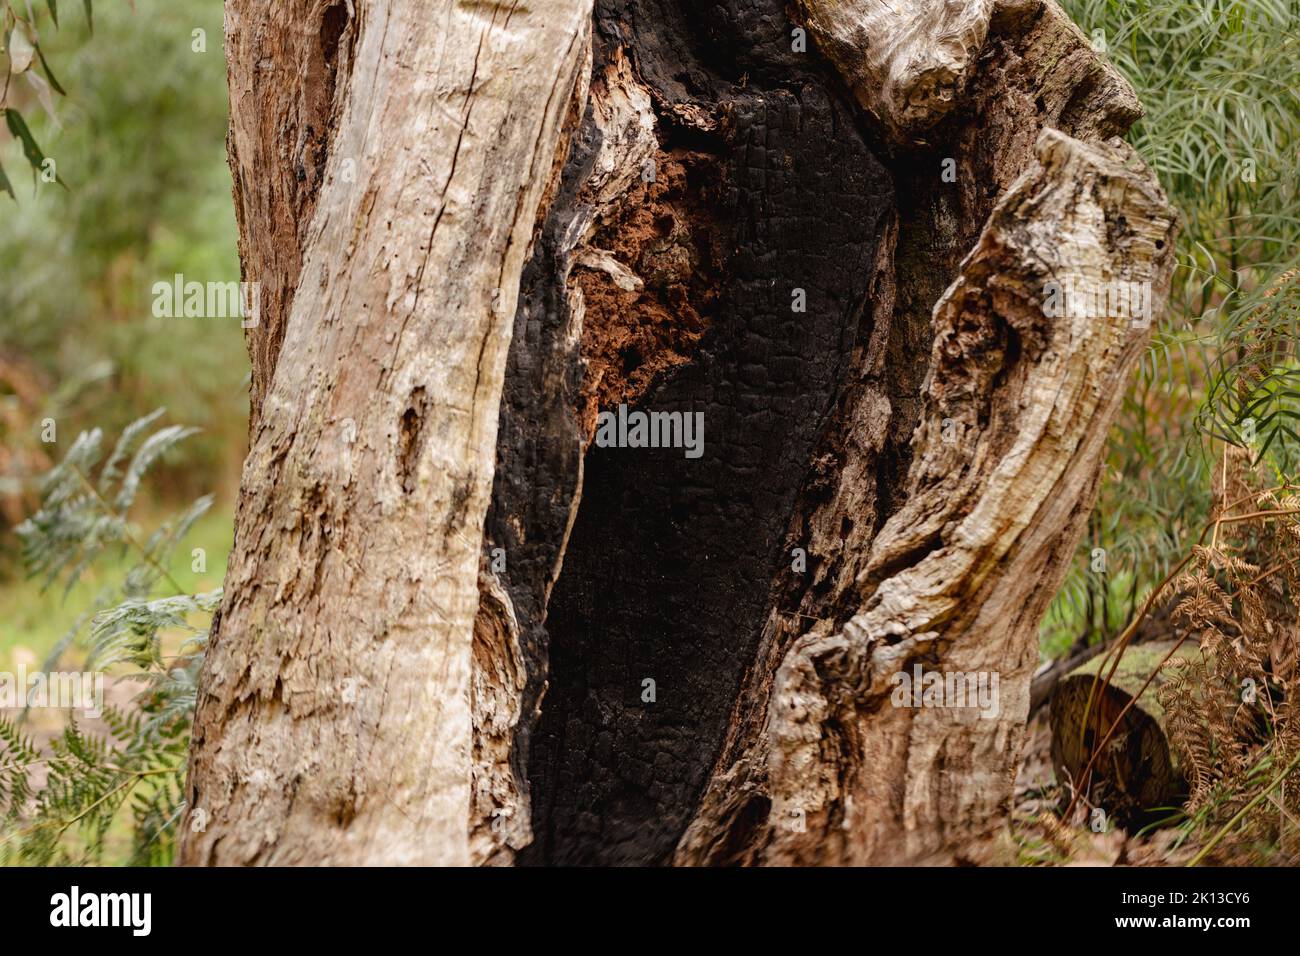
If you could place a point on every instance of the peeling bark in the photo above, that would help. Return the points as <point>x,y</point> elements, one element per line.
<point>652,204</point>
<point>289,64</point>
<point>334,721</point>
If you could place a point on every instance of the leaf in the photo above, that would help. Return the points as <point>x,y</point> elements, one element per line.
<point>90,20</point>
<point>50,73</point>
<point>152,448</point>
<point>126,444</point>
<point>54,11</point>
<point>21,49</point>
<point>42,88</point>
<point>6,185</point>
<point>125,633</point>
<point>18,127</point>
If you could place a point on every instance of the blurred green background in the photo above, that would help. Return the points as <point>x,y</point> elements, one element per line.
<point>140,144</point>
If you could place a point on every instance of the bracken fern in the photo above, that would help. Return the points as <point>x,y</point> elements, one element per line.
<point>60,803</point>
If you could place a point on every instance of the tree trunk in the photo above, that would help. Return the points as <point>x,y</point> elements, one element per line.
<point>462,624</point>
<point>389,163</point>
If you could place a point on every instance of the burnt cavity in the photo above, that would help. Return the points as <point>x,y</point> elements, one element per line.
<point>670,565</point>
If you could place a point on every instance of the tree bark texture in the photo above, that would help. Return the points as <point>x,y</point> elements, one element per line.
<point>403,149</point>
<point>458,629</point>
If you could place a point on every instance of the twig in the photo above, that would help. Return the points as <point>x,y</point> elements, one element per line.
<point>126,531</point>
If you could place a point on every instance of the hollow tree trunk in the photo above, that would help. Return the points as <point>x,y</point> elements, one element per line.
<point>830,232</point>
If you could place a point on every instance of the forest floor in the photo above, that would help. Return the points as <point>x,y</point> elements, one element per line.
<point>1041,839</point>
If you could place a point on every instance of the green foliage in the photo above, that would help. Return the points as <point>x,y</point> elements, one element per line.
<point>59,806</point>
<point>23,53</point>
<point>79,517</point>
<point>18,126</point>
<point>1217,80</point>
<point>140,142</point>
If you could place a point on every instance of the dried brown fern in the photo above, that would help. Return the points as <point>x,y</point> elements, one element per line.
<point>1232,710</point>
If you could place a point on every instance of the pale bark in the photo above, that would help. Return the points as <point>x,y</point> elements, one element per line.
<point>334,724</point>
<point>380,690</point>
<point>1007,452</point>
<point>906,62</point>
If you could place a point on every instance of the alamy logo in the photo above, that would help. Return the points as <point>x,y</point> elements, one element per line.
<point>102,909</point>
<point>71,690</point>
<point>207,300</point>
<point>977,690</point>
<point>1079,297</point>
<point>624,429</point>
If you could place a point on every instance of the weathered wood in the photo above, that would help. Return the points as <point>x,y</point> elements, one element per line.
<point>406,672</point>
<point>334,722</point>
<point>1016,407</point>
<point>1035,71</point>
<point>907,63</point>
